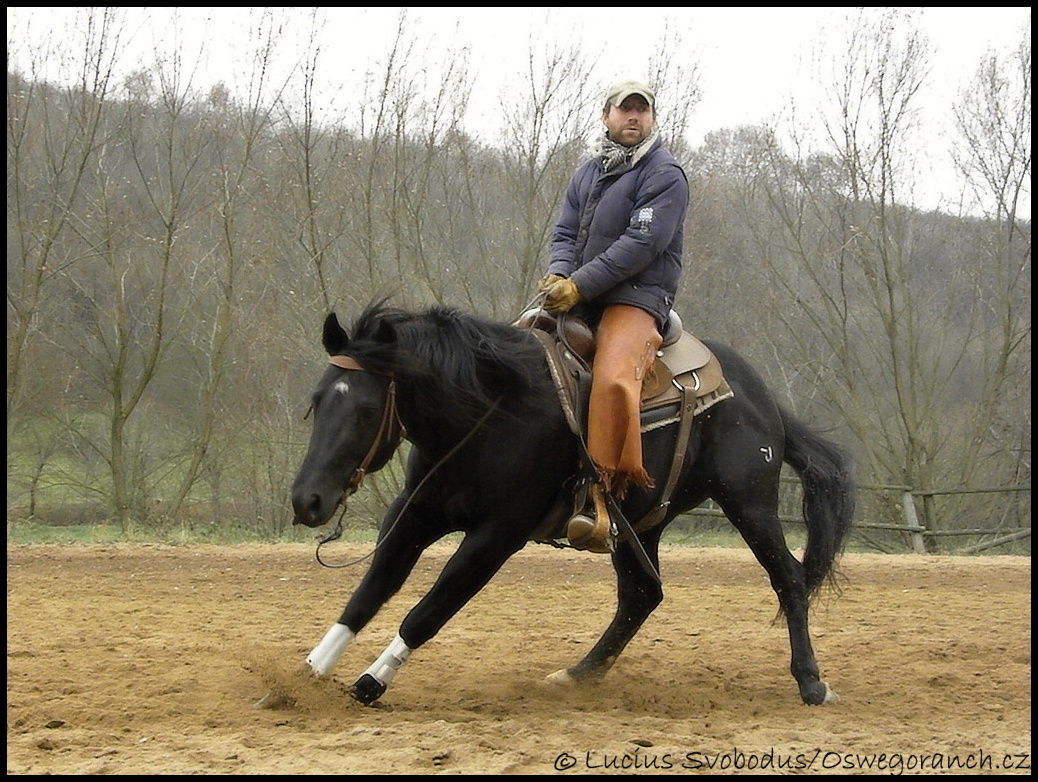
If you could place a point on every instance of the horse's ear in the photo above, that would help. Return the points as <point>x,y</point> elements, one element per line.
<point>385,332</point>
<point>335,337</point>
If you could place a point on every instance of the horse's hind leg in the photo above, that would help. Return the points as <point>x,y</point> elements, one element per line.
<point>763,534</point>
<point>638,593</point>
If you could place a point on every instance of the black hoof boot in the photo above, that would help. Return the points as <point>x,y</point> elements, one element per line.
<point>367,689</point>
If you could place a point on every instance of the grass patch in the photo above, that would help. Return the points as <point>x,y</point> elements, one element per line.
<point>28,532</point>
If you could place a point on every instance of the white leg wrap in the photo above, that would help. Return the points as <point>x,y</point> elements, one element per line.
<point>324,656</point>
<point>390,661</point>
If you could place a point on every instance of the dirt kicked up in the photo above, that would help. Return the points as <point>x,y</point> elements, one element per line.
<point>147,659</point>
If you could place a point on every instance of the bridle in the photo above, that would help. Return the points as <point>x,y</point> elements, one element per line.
<point>391,429</point>
<point>390,432</point>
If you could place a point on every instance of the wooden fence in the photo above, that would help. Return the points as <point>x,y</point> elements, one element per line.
<point>922,527</point>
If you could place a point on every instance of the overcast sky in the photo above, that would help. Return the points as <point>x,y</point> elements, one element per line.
<point>751,60</point>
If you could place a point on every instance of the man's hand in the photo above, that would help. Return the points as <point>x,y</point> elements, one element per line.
<point>561,295</point>
<point>547,281</point>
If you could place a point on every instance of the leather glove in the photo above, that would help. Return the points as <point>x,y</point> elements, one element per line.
<point>546,282</point>
<point>561,296</point>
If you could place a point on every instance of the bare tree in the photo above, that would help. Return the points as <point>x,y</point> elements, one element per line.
<point>678,92</point>
<point>881,312</point>
<point>233,139</point>
<point>993,152</point>
<point>993,119</point>
<point>61,130</point>
<point>65,133</point>
<point>849,267</point>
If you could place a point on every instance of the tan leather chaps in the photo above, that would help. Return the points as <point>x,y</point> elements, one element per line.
<point>627,340</point>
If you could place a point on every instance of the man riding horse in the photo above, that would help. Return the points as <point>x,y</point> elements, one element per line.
<point>616,262</point>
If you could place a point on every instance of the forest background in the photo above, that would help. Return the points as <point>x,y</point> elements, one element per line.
<point>173,249</point>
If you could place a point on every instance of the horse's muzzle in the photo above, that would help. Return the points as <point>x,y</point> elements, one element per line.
<point>311,510</point>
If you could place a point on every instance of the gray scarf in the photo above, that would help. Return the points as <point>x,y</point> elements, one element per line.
<point>612,154</point>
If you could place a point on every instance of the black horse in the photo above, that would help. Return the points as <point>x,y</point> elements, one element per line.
<point>494,458</point>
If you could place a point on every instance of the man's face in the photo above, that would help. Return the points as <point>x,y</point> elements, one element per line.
<point>630,122</point>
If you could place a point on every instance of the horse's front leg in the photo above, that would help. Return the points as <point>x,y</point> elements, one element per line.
<point>400,544</point>
<point>479,556</point>
<point>638,594</point>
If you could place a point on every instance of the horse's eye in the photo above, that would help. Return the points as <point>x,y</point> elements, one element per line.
<point>365,413</point>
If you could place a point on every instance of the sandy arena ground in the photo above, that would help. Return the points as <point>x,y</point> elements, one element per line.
<point>147,659</point>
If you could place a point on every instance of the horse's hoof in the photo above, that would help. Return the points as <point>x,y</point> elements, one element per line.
<point>367,689</point>
<point>818,694</point>
<point>561,679</point>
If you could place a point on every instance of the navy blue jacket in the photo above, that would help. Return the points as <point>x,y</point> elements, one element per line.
<point>619,235</point>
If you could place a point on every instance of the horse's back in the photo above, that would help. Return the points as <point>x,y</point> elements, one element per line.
<point>751,392</point>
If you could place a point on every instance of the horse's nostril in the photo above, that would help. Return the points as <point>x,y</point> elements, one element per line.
<point>306,505</point>
<point>309,509</point>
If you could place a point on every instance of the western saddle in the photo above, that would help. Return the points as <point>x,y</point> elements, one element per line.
<point>684,380</point>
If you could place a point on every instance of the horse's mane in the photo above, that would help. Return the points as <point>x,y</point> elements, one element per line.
<point>467,359</point>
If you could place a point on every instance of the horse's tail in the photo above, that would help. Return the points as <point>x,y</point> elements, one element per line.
<point>829,492</point>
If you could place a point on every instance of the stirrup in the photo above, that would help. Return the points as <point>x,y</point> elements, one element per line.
<point>595,532</point>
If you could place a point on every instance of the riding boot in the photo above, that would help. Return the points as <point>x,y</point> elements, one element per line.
<point>593,533</point>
